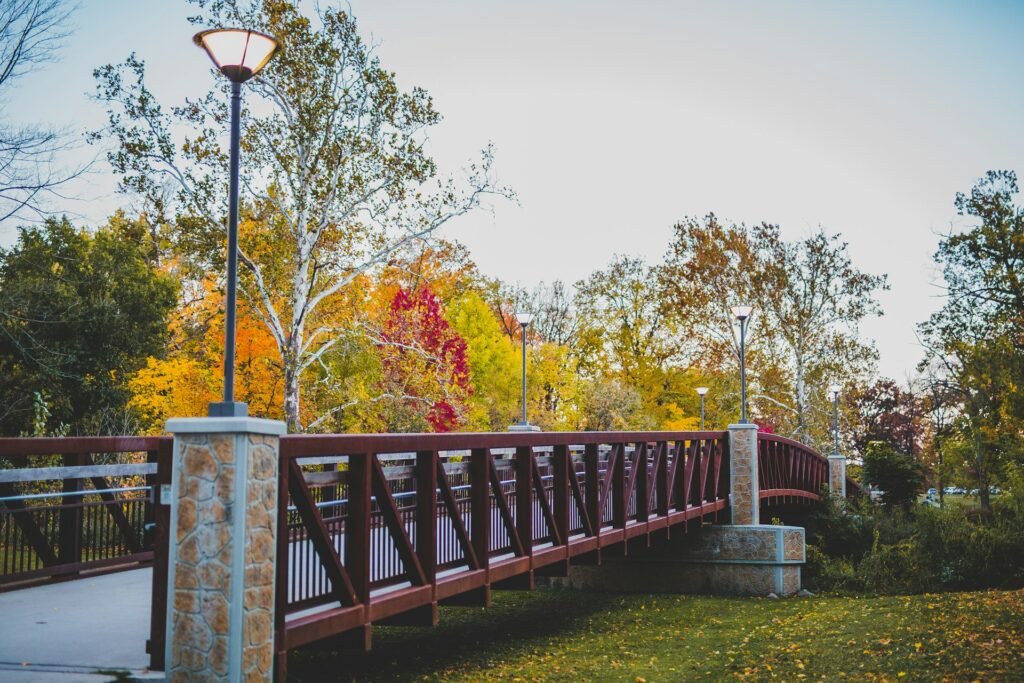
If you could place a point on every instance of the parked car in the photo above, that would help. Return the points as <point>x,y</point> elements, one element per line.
<point>932,493</point>
<point>995,490</point>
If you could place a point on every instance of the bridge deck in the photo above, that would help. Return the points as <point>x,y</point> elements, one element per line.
<point>67,631</point>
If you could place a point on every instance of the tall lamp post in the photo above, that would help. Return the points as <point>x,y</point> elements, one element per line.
<point>239,54</point>
<point>524,319</point>
<point>702,391</point>
<point>742,313</point>
<point>834,391</point>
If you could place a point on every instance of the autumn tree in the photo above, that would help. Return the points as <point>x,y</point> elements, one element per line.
<point>815,298</point>
<point>809,299</point>
<point>494,364</point>
<point>424,382</point>
<point>884,411</point>
<point>335,175</point>
<point>644,344</point>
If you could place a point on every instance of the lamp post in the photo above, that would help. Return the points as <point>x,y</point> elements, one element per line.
<point>833,391</point>
<point>742,313</point>
<point>239,54</point>
<point>524,320</point>
<point>702,391</point>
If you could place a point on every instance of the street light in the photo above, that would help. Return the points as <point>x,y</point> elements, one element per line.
<point>834,391</point>
<point>239,54</point>
<point>742,313</point>
<point>702,391</point>
<point>524,320</point>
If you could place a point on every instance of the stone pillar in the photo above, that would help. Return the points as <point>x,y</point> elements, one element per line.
<point>744,490</point>
<point>837,475</point>
<point>220,616</point>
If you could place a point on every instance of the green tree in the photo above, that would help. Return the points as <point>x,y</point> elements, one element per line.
<point>79,314</point>
<point>899,476</point>
<point>976,338</point>
<point>336,179</point>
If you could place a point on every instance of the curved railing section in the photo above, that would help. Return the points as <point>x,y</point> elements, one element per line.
<point>790,471</point>
<point>376,526</point>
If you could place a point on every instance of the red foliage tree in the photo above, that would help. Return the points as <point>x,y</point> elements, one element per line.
<point>424,361</point>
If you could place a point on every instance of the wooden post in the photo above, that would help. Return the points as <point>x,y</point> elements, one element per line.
<point>161,518</point>
<point>357,528</point>
<point>480,520</point>
<point>560,479</point>
<point>592,486</point>
<point>661,480</point>
<point>524,497</point>
<point>642,482</point>
<point>70,538</point>
<point>619,497</point>
<point>426,512</point>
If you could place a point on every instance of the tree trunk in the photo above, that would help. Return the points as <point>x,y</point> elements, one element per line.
<point>982,472</point>
<point>291,397</point>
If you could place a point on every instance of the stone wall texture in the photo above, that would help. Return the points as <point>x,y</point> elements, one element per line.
<point>717,560</point>
<point>837,476</point>
<point>222,591</point>
<point>632,576</point>
<point>743,474</point>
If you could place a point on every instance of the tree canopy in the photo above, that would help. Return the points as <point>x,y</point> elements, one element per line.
<point>336,176</point>
<point>80,313</point>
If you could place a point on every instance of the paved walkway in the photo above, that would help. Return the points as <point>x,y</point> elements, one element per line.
<point>67,632</point>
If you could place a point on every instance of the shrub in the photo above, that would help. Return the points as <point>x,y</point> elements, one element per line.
<point>823,572</point>
<point>870,548</point>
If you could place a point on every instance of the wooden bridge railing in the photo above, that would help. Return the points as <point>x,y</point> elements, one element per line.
<point>64,511</point>
<point>392,524</point>
<point>790,471</point>
<point>377,528</point>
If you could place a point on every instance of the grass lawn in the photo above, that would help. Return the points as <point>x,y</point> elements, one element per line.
<point>553,635</point>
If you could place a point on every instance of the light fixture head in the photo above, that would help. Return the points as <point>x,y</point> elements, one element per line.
<point>834,390</point>
<point>524,318</point>
<point>238,53</point>
<point>702,390</point>
<point>742,312</point>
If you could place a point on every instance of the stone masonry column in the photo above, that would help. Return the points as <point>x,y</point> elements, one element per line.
<point>743,483</point>
<point>220,616</point>
<point>837,475</point>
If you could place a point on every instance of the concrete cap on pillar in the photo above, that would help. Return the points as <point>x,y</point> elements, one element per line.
<point>226,425</point>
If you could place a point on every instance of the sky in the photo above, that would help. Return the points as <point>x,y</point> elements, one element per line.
<point>614,120</point>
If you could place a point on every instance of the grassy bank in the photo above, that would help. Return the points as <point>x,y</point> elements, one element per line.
<point>570,636</point>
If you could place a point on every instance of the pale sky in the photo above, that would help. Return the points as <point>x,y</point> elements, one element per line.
<point>613,120</point>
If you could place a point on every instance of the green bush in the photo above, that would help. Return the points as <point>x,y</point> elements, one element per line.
<point>823,572</point>
<point>876,549</point>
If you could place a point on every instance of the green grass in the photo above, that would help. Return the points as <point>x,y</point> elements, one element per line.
<point>574,635</point>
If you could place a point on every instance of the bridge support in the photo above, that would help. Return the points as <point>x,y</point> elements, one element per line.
<point>718,560</point>
<point>837,475</point>
<point>745,558</point>
<point>224,499</point>
<point>744,492</point>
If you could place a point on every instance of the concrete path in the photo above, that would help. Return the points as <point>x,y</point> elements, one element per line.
<point>67,632</point>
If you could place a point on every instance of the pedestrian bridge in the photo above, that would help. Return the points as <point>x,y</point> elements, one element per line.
<point>374,529</point>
